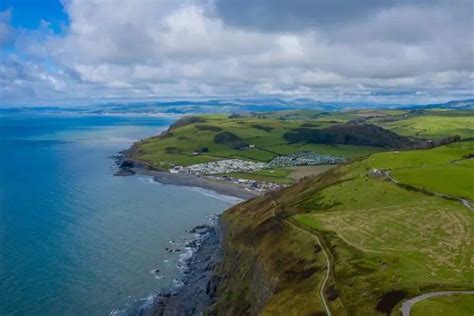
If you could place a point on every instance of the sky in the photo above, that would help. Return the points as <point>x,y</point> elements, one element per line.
<point>60,52</point>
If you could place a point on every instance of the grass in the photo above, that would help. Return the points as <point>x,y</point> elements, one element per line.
<point>279,175</point>
<point>385,238</point>
<point>381,237</point>
<point>434,125</point>
<point>453,305</point>
<point>442,170</point>
<point>282,175</point>
<point>264,132</point>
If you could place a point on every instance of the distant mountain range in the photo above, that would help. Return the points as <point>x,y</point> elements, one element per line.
<point>458,104</point>
<point>230,106</point>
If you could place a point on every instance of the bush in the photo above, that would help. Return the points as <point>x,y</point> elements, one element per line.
<point>229,139</point>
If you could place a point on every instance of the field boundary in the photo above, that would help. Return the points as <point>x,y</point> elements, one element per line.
<point>463,201</point>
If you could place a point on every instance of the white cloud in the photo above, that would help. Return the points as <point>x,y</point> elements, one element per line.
<point>149,48</point>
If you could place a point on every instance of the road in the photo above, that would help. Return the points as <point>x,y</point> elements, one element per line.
<point>407,305</point>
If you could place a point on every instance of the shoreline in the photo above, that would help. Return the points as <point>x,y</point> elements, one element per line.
<point>195,287</point>
<point>189,180</point>
<point>198,280</point>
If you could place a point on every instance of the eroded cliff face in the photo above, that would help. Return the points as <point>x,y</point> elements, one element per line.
<point>269,266</point>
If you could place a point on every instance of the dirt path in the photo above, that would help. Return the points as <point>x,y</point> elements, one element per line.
<point>326,256</point>
<point>408,304</point>
<point>328,264</point>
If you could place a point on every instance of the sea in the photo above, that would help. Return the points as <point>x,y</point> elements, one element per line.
<point>74,238</point>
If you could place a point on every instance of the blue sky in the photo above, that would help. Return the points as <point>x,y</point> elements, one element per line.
<point>28,14</point>
<point>90,51</point>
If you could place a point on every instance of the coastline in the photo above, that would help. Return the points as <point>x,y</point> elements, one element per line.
<point>189,180</point>
<point>198,281</point>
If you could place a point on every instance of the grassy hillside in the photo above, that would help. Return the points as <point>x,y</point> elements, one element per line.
<point>453,305</point>
<point>219,137</point>
<point>385,242</point>
<point>445,169</point>
<point>431,124</point>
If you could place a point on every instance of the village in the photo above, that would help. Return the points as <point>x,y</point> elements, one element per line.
<point>217,170</point>
<point>220,167</point>
<point>305,158</point>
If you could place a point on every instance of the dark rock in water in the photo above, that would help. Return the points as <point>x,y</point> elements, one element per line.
<point>125,166</point>
<point>156,271</point>
<point>124,172</point>
<point>199,280</point>
<point>201,229</point>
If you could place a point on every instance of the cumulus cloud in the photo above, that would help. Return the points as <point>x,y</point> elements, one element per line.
<point>380,51</point>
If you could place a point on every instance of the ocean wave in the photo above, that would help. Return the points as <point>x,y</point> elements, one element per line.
<point>138,307</point>
<point>147,179</point>
<point>218,196</point>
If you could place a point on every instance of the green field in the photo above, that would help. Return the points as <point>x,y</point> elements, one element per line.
<point>282,175</point>
<point>380,236</point>
<point>434,124</point>
<point>452,305</point>
<point>279,175</point>
<point>386,242</point>
<point>443,169</point>
<point>263,136</point>
<point>384,237</point>
<point>264,132</point>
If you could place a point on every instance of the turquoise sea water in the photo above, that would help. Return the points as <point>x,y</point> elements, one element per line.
<point>74,239</point>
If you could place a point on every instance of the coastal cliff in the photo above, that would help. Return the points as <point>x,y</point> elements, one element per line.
<point>269,265</point>
<point>357,239</point>
<point>347,242</point>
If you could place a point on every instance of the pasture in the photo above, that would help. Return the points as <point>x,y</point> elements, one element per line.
<point>443,169</point>
<point>453,305</point>
<point>385,237</point>
<point>433,125</point>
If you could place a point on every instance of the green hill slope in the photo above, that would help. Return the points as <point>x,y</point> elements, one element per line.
<point>385,242</point>
<point>261,137</point>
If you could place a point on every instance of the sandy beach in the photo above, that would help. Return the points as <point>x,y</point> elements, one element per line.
<point>190,180</point>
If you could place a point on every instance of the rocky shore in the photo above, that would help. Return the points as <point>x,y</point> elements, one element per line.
<point>198,284</point>
<point>197,287</point>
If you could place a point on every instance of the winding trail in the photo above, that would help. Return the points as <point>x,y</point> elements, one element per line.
<point>408,304</point>
<point>328,269</point>
<point>326,256</point>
